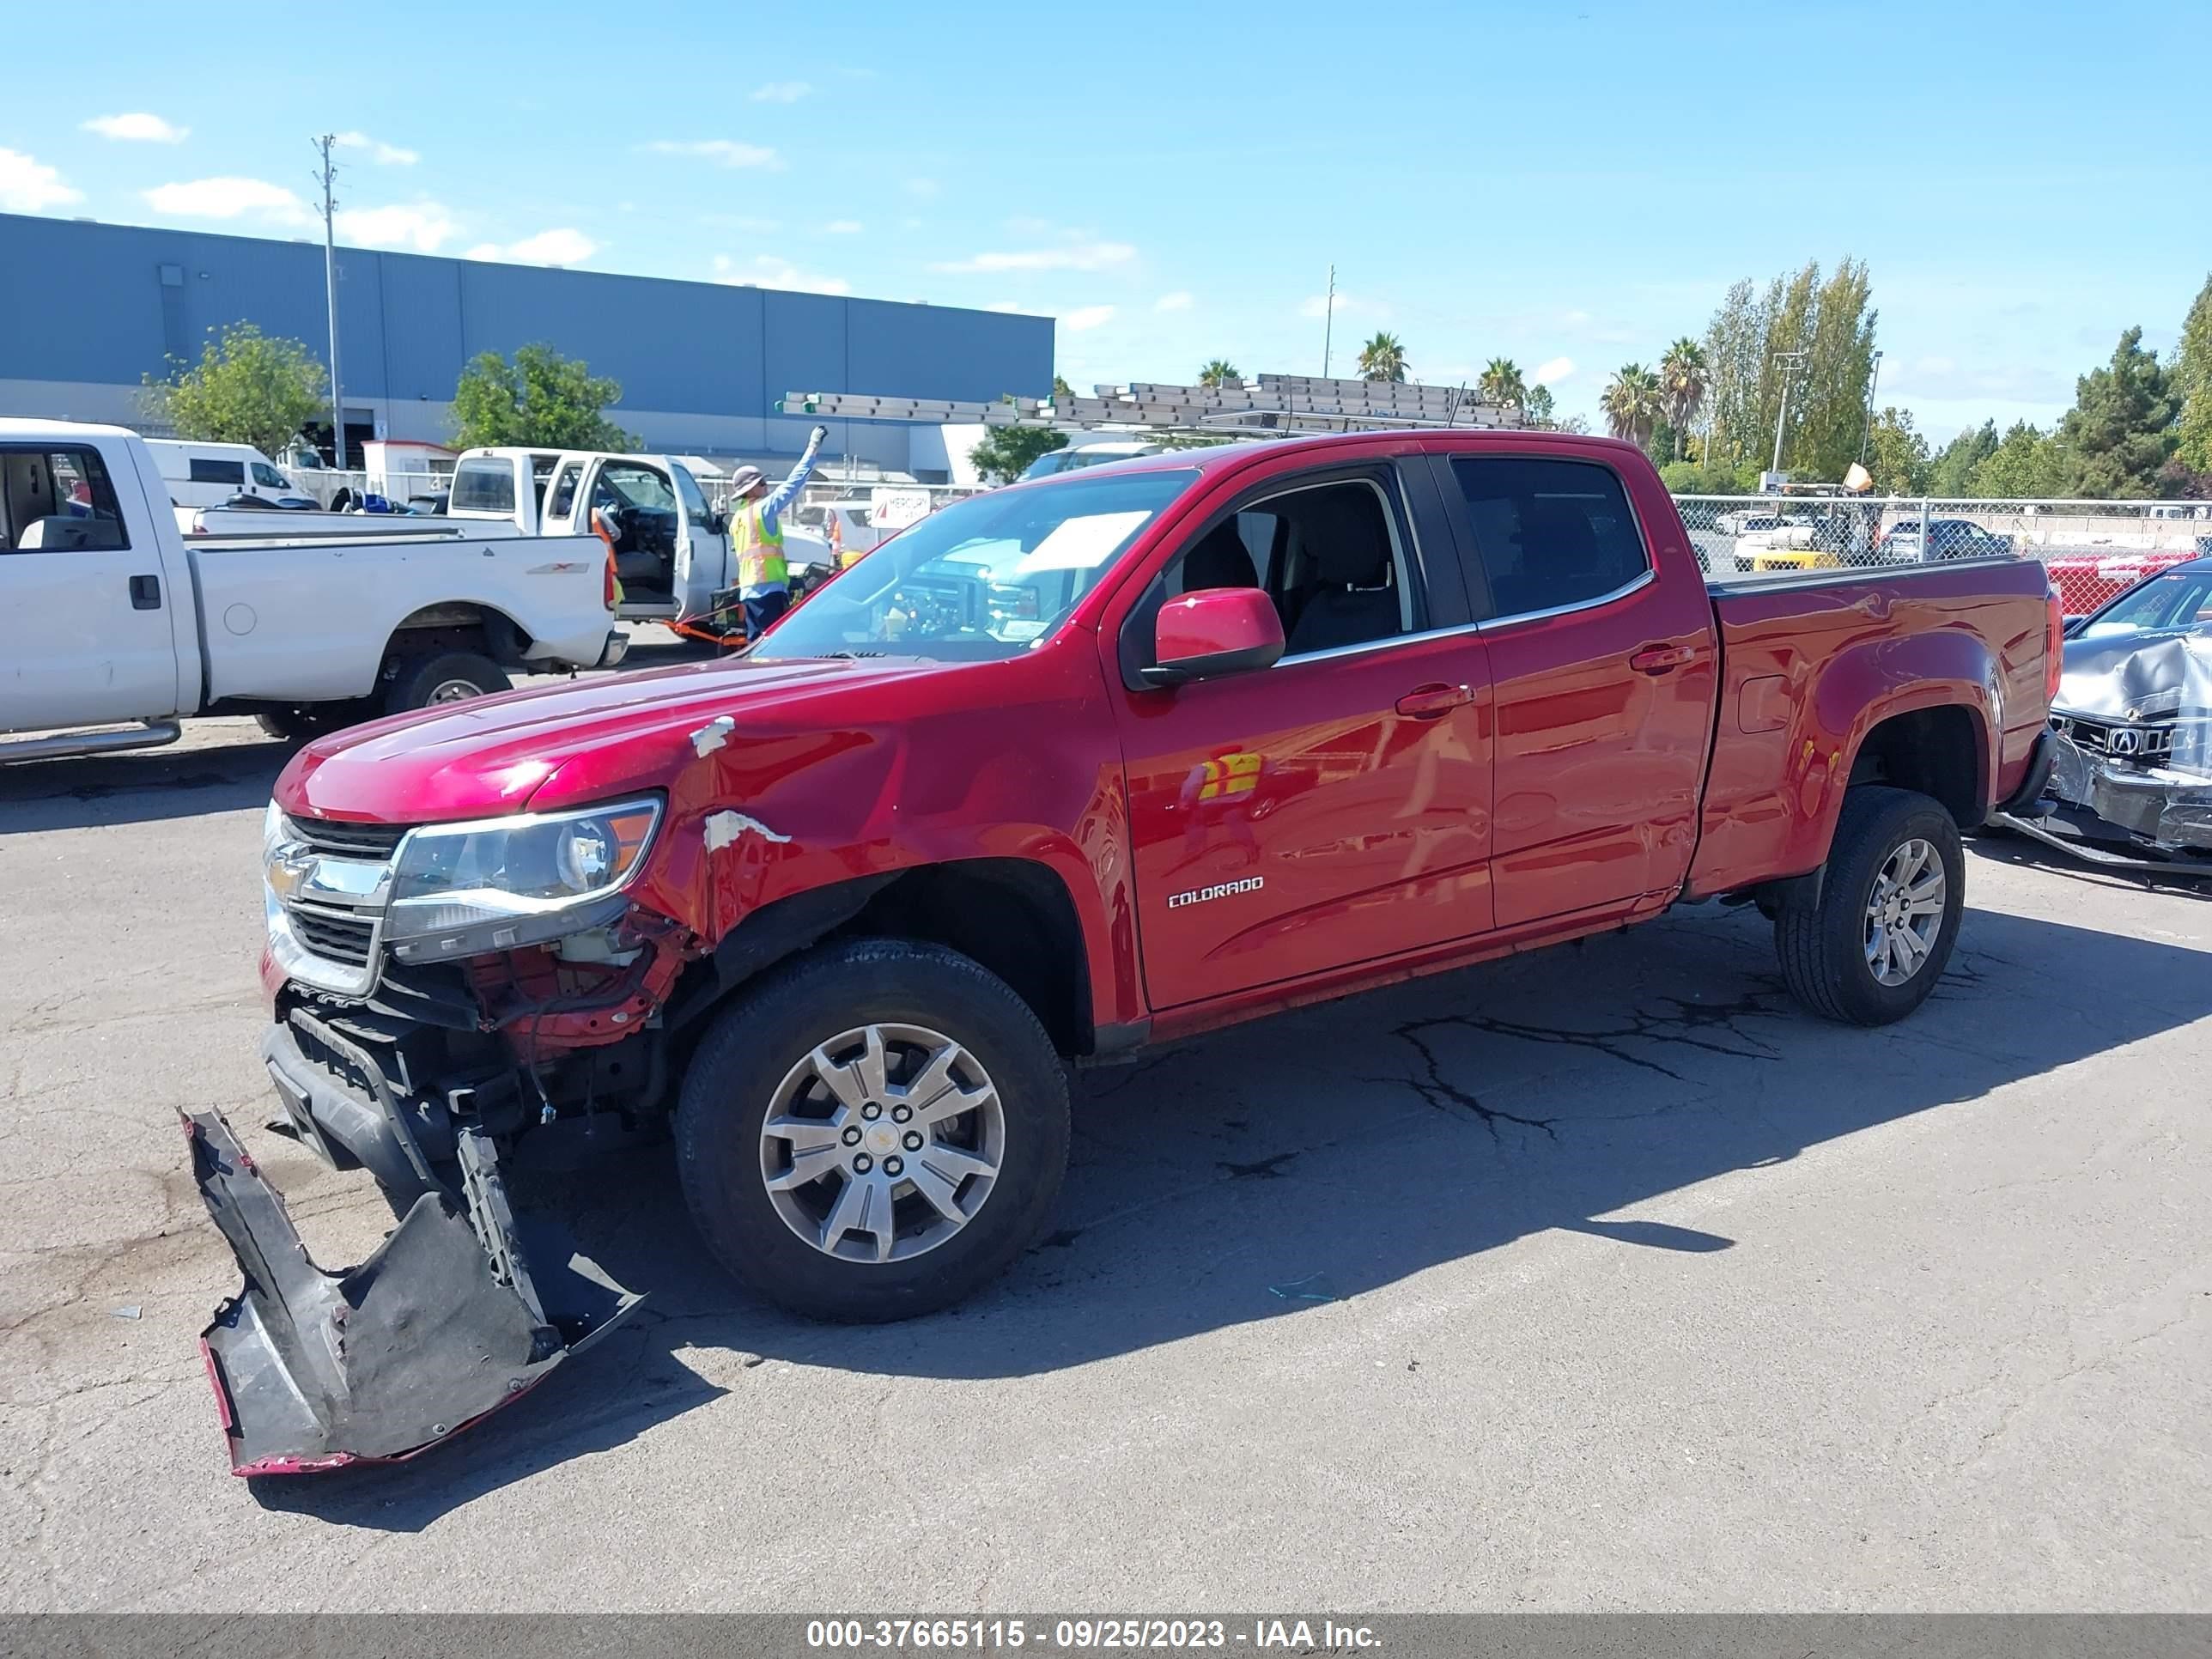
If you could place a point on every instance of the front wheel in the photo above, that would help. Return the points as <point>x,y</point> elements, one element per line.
<point>1891,900</point>
<point>875,1134</point>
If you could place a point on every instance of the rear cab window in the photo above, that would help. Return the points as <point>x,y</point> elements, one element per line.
<point>483,486</point>
<point>57,500</point>
<point>1548,535</point>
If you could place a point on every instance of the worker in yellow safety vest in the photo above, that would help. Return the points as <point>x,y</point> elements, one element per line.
<point>841,557</point>
<point>756,536</point>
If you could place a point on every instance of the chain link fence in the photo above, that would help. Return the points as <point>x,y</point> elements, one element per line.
<point>2093,549</point>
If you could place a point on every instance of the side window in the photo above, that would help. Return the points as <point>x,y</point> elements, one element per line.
<point>268,477</point>
<point>564,490</point>
<point>218,472</point>
<point>57,500</point>
<point>1332,556</point>
<point>1548,533</point>
<point>485,486</point>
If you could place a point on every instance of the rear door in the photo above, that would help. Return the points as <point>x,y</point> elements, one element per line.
<point>87,617</point>
<point>1604,672</point>
<point>1333,808</point>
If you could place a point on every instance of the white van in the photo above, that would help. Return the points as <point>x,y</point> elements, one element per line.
<point>209,474</point>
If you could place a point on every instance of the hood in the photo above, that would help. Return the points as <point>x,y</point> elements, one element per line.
<point>576,743</point>
<point>2147,676</point>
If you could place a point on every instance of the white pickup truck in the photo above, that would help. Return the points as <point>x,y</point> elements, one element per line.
<point>672,548</point>
<point>109,617</point>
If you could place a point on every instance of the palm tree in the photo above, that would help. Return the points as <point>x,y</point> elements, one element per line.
<point>1501,384</point>
<point>1382,358</point>
<point>1632,403</point>
<point>1218,373</point>
<point>1682,386</point>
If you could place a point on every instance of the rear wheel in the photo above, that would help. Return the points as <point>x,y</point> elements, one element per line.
<point>1891,901</point>
<point>311,720</point>
<point>874,1135</point>
<point>442,677</point>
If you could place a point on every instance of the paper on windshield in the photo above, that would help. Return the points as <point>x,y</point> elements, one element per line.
<point>1082,544</point>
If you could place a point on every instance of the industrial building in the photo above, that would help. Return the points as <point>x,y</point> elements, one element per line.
<point>88,311</point>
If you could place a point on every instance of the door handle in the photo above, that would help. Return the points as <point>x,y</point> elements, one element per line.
<point>1427,702</point>
<point>1659,659</point>
<point>145,592</point>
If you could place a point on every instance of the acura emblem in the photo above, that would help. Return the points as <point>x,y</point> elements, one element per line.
<point>2125,741</point>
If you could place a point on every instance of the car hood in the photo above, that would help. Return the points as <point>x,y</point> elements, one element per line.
<point>573,744</point>
<point>2146,676</point>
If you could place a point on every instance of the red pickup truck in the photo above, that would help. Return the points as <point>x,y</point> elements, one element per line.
<point>1065,770</point>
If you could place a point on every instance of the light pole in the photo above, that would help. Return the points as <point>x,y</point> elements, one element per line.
<point>1866,433</point>
<point>330,293</point>
<point>1328,321</point>
<point>1786,361</point>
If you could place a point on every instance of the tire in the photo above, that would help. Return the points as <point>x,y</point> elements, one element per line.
<point>745,1064</point>
<point>1824,949</point>
<point>418,681</point>
<point>311,720</point>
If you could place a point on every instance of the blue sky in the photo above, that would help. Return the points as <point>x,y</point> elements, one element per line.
<point>1568,185</point>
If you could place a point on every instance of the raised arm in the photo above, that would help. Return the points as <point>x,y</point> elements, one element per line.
<point>787,492</point>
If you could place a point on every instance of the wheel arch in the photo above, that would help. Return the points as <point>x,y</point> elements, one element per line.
<point>459,625</point>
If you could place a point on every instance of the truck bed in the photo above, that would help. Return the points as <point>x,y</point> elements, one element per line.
<point>1811,662</point>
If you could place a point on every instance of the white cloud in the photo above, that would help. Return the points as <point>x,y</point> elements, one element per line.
<point>422,226</point>
<point>230,198</point>
<point>140,127</point>
<point>28,186</point>
<point>726,152</point>
<point>765,271</point>
<point>1347,305</point>
<point>1551,371</point>
<point>386,155</point>
<point>780,92</point>
<point>1071,256</point>
<point>922,190</point>
<point>559,246</point>
<point>1083,318</point>
<point>1177,301</point>
<point>844,228</point>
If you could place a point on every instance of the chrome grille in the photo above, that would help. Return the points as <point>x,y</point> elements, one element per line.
<point>376,841</point>
<point>2117,739</point>
<point>334,937</point>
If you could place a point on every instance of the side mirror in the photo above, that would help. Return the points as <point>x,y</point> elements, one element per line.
<point>717,523</point>
<point>1214,631</point>
<point>2074,627</point>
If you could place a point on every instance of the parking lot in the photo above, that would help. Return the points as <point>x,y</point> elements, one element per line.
<point>1603,1278</point>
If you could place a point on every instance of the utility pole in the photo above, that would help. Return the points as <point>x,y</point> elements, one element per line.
<point>328,176</point>
<point>1866,433</point>
<point>1328,321</point>
<point>1786,361</point>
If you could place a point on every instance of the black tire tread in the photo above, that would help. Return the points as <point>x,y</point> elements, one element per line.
<point>413,677</point>
<point>1806,938</point>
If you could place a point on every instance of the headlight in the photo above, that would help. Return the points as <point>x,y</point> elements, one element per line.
<point>461,889</point>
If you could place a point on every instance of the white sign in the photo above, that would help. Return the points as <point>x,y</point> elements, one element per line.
<point>891,508</point>
<point>1769,483</point>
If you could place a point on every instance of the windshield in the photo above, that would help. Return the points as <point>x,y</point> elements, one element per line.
<point>982,579</point>
<point>2181,599</point>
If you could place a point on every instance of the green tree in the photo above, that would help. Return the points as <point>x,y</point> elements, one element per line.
<point>1536,405</point>
<point>1501,384</point>
<point>1061,389</point>
<point>538,398</point>
<point>1682,387</point>
<point>1631,404</point>
<point>2192,384</point>
<point>1830,325</point>
<point>248,388</point>
<point>1896,455</point>
<point>1219,373</point>
<point>1953,470</point>
<point>2119,434</point>
<point>1382,358</point>
<point>1005,452</point>
<point>2027,461</point>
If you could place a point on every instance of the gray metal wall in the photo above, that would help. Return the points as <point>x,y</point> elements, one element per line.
<point>701,364</point>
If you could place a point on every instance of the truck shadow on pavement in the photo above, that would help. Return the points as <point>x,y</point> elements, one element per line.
<point>142,786</point>
<point>1271,1170</point>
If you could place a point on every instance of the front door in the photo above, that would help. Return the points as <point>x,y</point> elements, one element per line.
<point>1604,676</point>
<point>1334,807</point>
<point>86,617</point>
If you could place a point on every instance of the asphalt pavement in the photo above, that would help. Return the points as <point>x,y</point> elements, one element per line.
<point>1599,1279</point>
